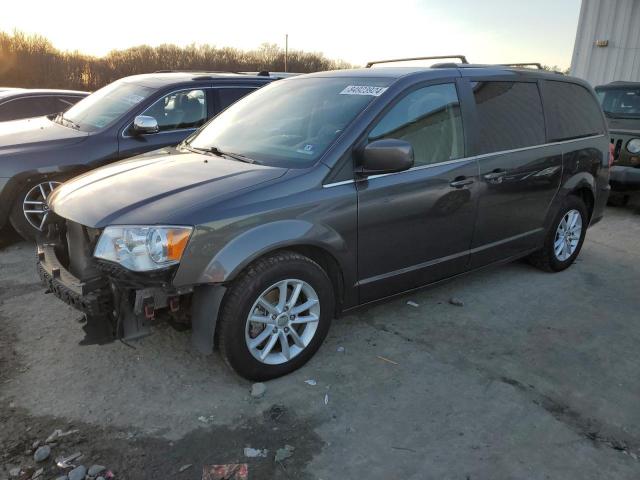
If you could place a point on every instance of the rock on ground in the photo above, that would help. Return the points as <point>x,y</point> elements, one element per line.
<point>42,453</point>
<point>78,473</point>
<point>258,390</point>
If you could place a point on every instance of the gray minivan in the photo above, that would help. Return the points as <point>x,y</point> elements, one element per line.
<point>322,193</point>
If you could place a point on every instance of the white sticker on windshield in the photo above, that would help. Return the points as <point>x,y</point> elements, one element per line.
<point>363,90</point>
<point>132,99</point>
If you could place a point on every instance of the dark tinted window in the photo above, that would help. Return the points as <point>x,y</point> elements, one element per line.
<point>227,96</point>
<point>429,119</point>
<point>572,111</point>
<point>26,108</point>
<point>509,114</point>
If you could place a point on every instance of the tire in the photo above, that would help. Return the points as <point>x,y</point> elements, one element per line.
<point>18,218</point>
<point>617,200</point>
<point>264,279</point>
<point>546,258</point>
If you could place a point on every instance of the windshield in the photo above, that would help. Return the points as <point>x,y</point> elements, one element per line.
<point>289,123</point>
<point>620,102</point>
<point>105,105</point>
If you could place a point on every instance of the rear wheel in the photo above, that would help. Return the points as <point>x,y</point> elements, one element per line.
<point>565,237</point>
<point>30,209</point>
<point>275,316</point>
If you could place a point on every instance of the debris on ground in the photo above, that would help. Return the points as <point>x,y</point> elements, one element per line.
<point>95,470</point>
<point>65,462</point>
<point>276,412</point>
<point>57,434</point>
<point>311,382</point>
<point>326,398</point>
<point>15,472</point>
<point>231,471</point>
<point>42,453</point>
<point>413,304</point>
<point>456,301</point>
<point>206,420</point>
<point>284,453</point>
<point>258,390</point>
<point>255,452</point>
<point>385,359</point>
<point>341,349</point>
<point>185,467</point>
<point>77,473</point>
<point>37,473</point>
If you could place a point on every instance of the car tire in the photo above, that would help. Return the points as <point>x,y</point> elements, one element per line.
<point>547,258</point>
<point>262,283</point>
<point>31,192</point>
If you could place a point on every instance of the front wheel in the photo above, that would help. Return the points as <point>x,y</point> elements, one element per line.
<point>275,316</point>
<point>30,208</point>
<point>565,237</point>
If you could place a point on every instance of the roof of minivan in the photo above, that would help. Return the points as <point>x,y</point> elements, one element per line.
<point>454,69</point>
<point>160,79</point>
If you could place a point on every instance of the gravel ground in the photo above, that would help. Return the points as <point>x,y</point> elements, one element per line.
<point>534,376</point>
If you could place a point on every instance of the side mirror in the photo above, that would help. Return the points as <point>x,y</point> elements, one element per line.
<point>386,156</point>
<point>144,124</point>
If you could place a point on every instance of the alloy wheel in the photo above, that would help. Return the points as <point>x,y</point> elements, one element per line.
<point>568,235</point>
<point>282,321</point>
<point>34,205</point>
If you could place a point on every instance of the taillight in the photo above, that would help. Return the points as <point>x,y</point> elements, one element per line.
<point>611,153</point>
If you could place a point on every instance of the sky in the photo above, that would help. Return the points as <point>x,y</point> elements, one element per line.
<point>486,31</point>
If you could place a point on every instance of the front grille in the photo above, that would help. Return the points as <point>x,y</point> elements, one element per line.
<point>617,147</point>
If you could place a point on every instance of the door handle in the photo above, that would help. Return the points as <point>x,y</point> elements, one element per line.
<point>460,182</point>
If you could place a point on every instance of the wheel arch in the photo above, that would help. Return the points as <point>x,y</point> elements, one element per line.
<point>319,242</point>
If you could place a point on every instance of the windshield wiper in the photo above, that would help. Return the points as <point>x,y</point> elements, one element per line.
<point>216,151</point>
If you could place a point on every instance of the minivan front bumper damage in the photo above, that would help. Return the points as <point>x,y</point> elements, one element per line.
<point>130,301</point>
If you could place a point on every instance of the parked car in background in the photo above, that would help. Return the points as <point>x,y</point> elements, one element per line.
<point>127,117</point>
<point>324,192</point>
<point>621,104</point>
<point>19,103</point>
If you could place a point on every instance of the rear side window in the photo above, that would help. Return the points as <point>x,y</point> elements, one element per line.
<point>509,115</point>
<point>227,96</point>
<point>572,112</point>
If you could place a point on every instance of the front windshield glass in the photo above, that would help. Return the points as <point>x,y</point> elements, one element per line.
<point>289,123</point>
<point>620,102</point>
<point>105,105</point>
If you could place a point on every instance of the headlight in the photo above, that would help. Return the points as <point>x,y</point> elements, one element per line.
<point>141,248</point>
<point>634,145</point>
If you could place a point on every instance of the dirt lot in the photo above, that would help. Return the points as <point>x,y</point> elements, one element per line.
<point>535,377</point>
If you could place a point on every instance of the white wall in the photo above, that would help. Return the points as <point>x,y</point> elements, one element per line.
<point>617,21</point>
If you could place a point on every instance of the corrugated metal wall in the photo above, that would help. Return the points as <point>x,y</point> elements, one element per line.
<point>617,21</point>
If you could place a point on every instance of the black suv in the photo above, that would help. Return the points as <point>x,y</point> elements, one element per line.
<point>621,104</point>
<point>127,117</point>
<point>324,192</point>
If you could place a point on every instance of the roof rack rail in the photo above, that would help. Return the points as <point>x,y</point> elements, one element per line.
<point>462,58</point>
<point>524,65</point>
<point>194,71</point>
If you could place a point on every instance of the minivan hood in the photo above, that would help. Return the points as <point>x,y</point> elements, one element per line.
<point>34,133</point>
<point>154,188</point>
